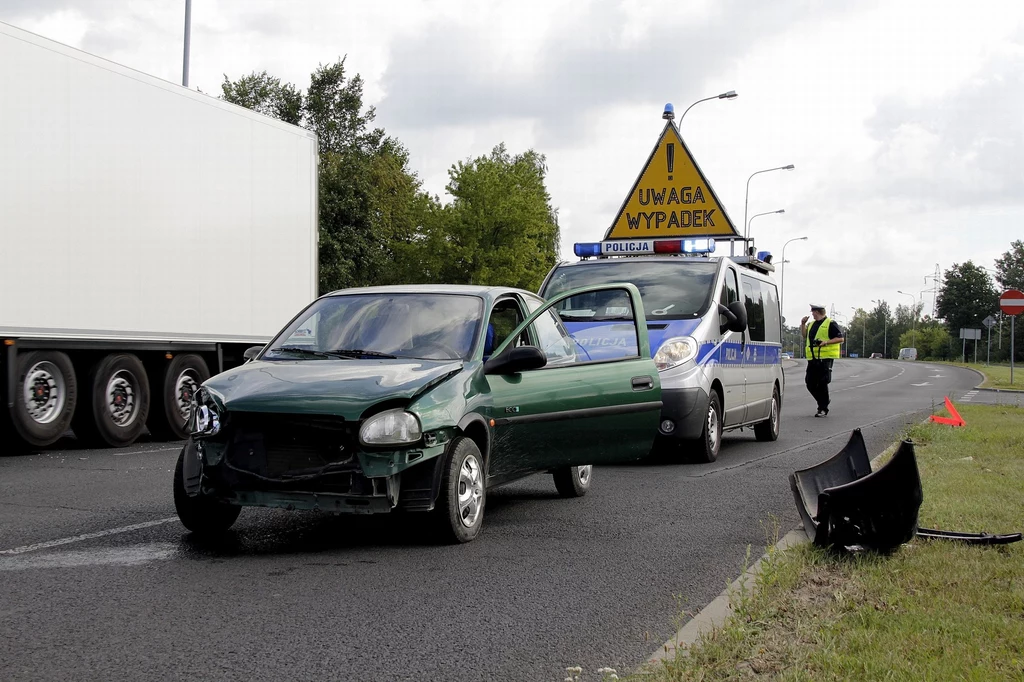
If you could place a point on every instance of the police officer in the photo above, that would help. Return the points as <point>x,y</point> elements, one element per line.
<point>821,348</point>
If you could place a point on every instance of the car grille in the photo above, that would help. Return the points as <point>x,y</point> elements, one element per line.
<point>285,446</point>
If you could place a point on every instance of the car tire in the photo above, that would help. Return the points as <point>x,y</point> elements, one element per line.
<point>573,481</point>
<point>768,430</point>
<point>459,512</point>
<point>200,514</point>
<point>710,441</point>
<point>171,401</point>
<point>114,409</point>
<point>50,380</point>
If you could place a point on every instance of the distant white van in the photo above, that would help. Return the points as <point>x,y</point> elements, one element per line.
<point>908,354</point>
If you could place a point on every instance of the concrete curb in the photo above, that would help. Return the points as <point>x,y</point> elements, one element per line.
<point>718,611</point>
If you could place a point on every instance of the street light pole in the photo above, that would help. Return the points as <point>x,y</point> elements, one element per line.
<point>782,275</point>
<point>757,215</point>
<point>188,35</point>
<point>912,298</point>
<point>725,95</point>
<point>746,197</point>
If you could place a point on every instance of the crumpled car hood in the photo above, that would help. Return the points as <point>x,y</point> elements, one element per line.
<point>338,387</point>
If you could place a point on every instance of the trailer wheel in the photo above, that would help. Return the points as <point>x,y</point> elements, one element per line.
<point>118,402</point>
<point>45,396</point>
<point>172,401</point>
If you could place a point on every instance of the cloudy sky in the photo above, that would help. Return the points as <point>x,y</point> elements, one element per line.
<point>904,118</point>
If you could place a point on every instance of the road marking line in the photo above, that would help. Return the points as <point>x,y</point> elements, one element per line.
<point>86,536</point>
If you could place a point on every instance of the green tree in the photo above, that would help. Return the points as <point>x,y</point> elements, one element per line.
<point>1010,267</point>
<point>265,94</point>
<point>500,227</point>
<point>965,297</point>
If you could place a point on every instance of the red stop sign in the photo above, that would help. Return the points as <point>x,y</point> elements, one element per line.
<point>1011,302</point>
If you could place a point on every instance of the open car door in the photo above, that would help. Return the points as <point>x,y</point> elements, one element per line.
<point>560,401</point>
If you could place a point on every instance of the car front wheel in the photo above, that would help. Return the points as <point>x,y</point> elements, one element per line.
<point>574,481</point>
<point>200,514</point>
<point>459,512</point>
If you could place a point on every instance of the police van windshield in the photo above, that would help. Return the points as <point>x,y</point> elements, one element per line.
<point>670,289</point>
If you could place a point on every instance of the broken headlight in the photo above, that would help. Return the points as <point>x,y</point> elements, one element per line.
<point>394,427</point>
<point>205,419</point>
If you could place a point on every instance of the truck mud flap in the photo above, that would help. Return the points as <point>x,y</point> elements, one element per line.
<point>844,505</point>
<point>191,468</point>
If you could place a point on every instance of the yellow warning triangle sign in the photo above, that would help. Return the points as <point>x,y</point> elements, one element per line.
<point>671,198</point>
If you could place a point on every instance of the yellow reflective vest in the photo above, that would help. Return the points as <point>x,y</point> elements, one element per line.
<point>830,351</point>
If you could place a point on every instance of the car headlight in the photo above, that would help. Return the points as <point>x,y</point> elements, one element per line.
<point>205,420</point>
<point>394,427</point>
<point>675,352</point>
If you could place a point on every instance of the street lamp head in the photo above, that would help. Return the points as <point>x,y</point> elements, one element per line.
<point>789,167</point>
<point>728,95</point>
<point>781,210</point>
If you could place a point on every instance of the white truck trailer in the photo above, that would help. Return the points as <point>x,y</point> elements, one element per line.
<point>148,236</point>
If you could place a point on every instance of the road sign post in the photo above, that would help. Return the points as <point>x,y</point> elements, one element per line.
<point>989,322</point>
<point>1011,302</point>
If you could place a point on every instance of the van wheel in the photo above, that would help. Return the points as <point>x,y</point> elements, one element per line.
<point>768,430</point>
<point>459,512</point>
<point>574,481</point>
<point>115,408</point>
<point>710,440</point>
<point>201,515</point>
<point>45,395</point>
<point>172,402</point>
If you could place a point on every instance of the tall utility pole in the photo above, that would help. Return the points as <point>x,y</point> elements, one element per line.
<point>188,37</point>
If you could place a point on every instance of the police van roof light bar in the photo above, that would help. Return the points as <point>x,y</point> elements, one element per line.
<point>644,247</point>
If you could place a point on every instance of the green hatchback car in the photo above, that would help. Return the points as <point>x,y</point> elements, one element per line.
<point>419,398</point>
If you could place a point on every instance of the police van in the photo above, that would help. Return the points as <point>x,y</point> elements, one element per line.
<point>715,332</point>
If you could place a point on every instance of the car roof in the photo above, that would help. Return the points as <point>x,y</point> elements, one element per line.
<point>487,292</point>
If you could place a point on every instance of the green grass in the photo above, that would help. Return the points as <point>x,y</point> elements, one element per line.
<point>930,611</point>
<point>996,376</point>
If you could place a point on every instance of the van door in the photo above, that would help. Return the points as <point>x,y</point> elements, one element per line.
<point>755,354</point>
<point>730,357</point>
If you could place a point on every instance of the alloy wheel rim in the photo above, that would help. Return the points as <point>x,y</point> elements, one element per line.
<point>471,491</point>
<point>713,428</point>
<point>44,392</point>
<point>584,473</point>
<point>121,398</point>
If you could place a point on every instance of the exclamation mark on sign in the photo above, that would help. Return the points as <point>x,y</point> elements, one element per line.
<point>670,155</point>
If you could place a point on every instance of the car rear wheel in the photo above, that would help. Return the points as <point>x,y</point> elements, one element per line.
<point>200,514</point>
<point>707,446</point>
<point>768,430</point>
<point>573,481</point>
<point>459,513</point>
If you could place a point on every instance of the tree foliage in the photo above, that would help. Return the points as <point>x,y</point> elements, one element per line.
<point>1010,267</point>
<point>377,226</point>
<point>966,297</point>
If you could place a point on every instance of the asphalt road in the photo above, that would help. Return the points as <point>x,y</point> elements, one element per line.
<point>99,581</point>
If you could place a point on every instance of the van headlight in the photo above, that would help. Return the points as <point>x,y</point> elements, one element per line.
<point>205,418</point>
<point>675,352</point>
<point>393,427</point>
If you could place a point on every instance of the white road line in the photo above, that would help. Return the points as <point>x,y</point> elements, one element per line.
<point>86,536</point>
<point>872,383</point>
<point>968,397</point>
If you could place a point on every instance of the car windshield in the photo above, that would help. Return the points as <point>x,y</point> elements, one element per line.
<point>676,289</point>
<point>382,325</point>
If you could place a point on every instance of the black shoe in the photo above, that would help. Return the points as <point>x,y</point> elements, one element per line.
<point>822,413</point>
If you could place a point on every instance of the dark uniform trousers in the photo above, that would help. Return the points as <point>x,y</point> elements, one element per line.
<point>818,377</point>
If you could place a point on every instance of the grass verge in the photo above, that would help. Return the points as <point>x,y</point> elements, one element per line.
<point>996,376</point>
<point>931,611</point>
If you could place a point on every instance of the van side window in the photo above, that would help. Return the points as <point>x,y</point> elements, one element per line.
<point>755,307</point>
<point>772,319</point>
<point>730,292</point>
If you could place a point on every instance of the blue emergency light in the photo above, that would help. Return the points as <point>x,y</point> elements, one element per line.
<point>588,249</point>
<point>670,112</point>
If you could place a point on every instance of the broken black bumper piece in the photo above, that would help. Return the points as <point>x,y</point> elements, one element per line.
<point>846,506</point>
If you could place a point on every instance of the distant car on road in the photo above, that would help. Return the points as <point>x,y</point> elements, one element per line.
<point>875,355</point>
<point>787,356</point>
<point>908,354</point>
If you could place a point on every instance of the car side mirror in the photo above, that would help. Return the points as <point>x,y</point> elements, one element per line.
<point>251,352</point>
<point>735,315</point>
<point>514,360</point>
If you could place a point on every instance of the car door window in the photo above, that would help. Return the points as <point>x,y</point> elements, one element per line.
<point>505,317</point>
<point>755,308</point>
<point>730,292</point>
<point>554,340</point>
<point>594,326</point>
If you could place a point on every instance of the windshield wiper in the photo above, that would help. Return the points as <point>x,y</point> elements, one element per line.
<point>359,352</point>
<point>303,351</point>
